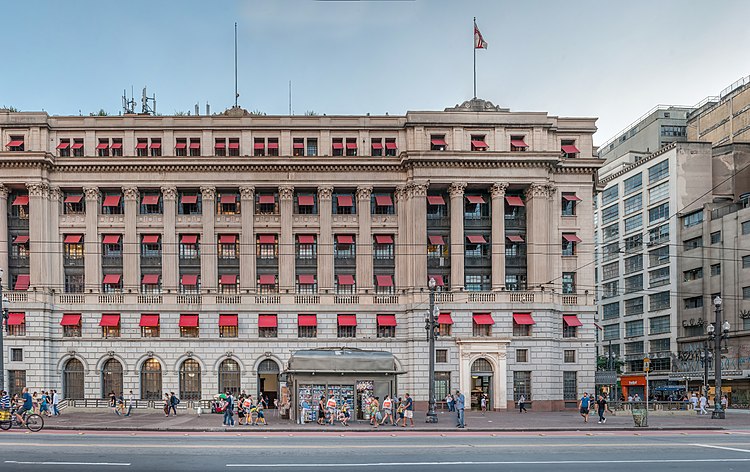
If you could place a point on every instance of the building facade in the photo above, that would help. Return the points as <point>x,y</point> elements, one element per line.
<point>197,254</point>
<point>722,119</point>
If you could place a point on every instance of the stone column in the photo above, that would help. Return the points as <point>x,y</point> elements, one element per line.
<point>537,222</point>
<point>364,240</point>
<point>401,240</point>
<point>38,237</point>
<point>418,247</point>
<point>91,244</point>
<point>325,241</point>
<point>247,238</point>
<point>209,259</point>
<point>456,192</point>
<point>169,262</point>
<point>55,246</point>
<point>4,243</point>
<point>286,239</point>
<point>497,191</point>
<point>131,269</point>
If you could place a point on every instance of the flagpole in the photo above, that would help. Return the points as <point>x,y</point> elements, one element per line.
<point>474,47</point>
<point>236,95</point>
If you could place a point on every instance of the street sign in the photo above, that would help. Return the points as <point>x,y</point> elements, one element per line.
<point>646,364</point>
<point>605,377</point>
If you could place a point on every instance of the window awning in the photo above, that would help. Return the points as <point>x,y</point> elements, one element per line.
<point>344,200</point>
<point>73,199</point>
<point>189,280</point>
<point>386,320</point>
<point>306,279</point>
<point>390,145</point>
<point>347,320</point>
<point>111,201</point>
<point>155,145</point>
<point>259,145</point>
<point>110,320</point>
<point>572,320</point>
<point>233,145</point>
<point>103,145</point>
<point>71,319</point>
<point>483,319</point>
<point>305,200</point>
<point>267,279</point>
<point>112,279</point>
<point>231,198</point>
<point>189,199</point>
<point>377,145</point>
<point>435,200</point>
<point>23,239</point>
<point>149,321</point>
<point>478,144</point>
<point>273,145</point>
<point>116,145</point>
<point>384,239</point>
<point>475,198</point>
<point>383,200</point>
<point>523,319</point>
<point>344,239</point>
<point>22,282</point>
<point>266,199</point>
<point>267,321</point>
<point>111,239</point>
<point>77,145</point>
<point>569,149</point>
<point>227,238</point>
<point>307,320</point>
<point>180,145</point>
<point>188,321</point>
<point>571,197</point>
<point>195,145</point>
<point>73,238</point>
<point>220,145</point>
<point>571,238</point>
<point>228,320</point>
<point>514,238</point>
<point>439,282</point>
<point>436,239</point>
<point>306,239</point>
<point>150,238</point>
<point>437,142</point>
<point>476,239</point>
<point>150,279</point>
<point>189,239</point>
<point>445,318</point>
<point>267,239</point>
<point>15,143</point>
<point>150,200</point>
<point>298,146</point>
<point>15,319</point>
<point>345,279</point>
<point>384,280</point>
<point>351,145</point>
<point>337,145</point>
<point>514,201</point>
<point>519,143</point>
<point>141,145</point>
<point>21,200</point>
<point>63,145</point>
<point>228,279</point>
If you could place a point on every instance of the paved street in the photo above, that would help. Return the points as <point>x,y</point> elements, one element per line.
<point>615,451</point>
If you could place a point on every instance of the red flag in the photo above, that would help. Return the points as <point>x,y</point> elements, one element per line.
<point>479,42</point>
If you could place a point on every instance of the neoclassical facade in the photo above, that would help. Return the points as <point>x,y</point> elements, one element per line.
<point>193,254</point>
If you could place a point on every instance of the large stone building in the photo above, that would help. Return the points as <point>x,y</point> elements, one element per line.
<point>198,254</point>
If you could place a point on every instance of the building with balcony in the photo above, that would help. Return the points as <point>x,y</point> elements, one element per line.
<point>198,254</point>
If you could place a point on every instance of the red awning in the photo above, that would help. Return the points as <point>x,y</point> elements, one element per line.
<point>194,145</point>
<point>572,320</point>
<point>305,200</point>
<point>475,198</point>
<point>141,145</point>
<point>189,239</point>
<point>337,145</point>
<point>111,201</point>
<point>383,200</point>
<point>77,146</point>
<point>150,279</point>
<point>189,280</point>
<point>306,279</point>
<point>347,320</point>
<point>273,145</point>
<point>15,319</point>
<point>73,238</point>
<point>266,199</point>
<point>384,239</point>
<point>436,240</point>
<point>155,145</point>
<point>102,146</point>
<point>112,279</point>
<point>110,320</point>
<point>232,198</point>
<point>149,321</point>
<point>15,143</point>
<point>267,239</point>
<point>483,319</point>
<point>390,145</point>
<point>435,200</point>
<point>570,149</point>
<point>438,280</point>
<point>150,200</point>
<point>21,200</point>
<point>345,279</point>
<point>384,280</point>
<point>220,145</point>
<point>479,144</point>
<point>377,145</point>
<point>307,320</point>
<point>63,145</point>
<point>23,239</point>
<point>189,199</point>
<point>260,145</point>
<point>234,145</point>
<point>150,238</point>
<point>180,145</point>
<point>188,321</point>
<point>571,197</point>
<point>344,239</point>
<point>71,319</point>
<point>228,279</point>
<point>445,318</point>
<point>437,142</point>
<point>523,319</point>
<point>306,239</point>
<point>520,143</point>
<point>227,238</point>
<point>298,146</point>
<point>267,279</point>
<point>514,201</point>
<point>22,282</point>
<point>73,199</point>
<point>571,238</point>
<point>117,145</point>
<point>267,321</point>
<point>111,239</point>
<point>344,200</point>
<point>476,239</point>
<point>228,320</point>
<point>386,320</point>
<point>351,145</point>
<point>514,238</point>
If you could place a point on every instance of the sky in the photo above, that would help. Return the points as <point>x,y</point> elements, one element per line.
<point>600,58</point>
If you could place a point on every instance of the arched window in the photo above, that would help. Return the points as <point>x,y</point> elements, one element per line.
<point>112,378</point>
<point>229,376</point>
<point>190,380</point>
<point>73,380</point>
<point>151,380</point>
<point>268,366</point>
<point>481,365</point>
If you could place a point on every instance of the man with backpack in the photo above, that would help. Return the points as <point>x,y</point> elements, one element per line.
<point>229,411</point>
<point>173,402</point>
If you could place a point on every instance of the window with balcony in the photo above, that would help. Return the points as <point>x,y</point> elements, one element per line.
<point>633,184</point>
<point>151,284</point>
<point>476,282</point>
<point>384,284</point>
<point>658,172</point>
<point>229,283</point>
<point>568,282</point>
<point>307,284</point>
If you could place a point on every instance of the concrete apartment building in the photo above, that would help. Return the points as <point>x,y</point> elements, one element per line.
<point>203,253</point>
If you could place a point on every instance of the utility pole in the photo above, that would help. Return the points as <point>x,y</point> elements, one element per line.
<point>718,413</point>
<point>431,325</point>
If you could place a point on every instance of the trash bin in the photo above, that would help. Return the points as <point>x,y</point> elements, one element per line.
<point>640,419</point>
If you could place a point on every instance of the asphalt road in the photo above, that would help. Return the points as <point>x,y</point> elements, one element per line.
<point>621,451</point>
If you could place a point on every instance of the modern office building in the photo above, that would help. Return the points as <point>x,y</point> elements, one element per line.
<point>197,254</point>
<point>722,119</point>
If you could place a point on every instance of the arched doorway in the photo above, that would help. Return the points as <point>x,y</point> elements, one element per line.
<point>151,380</point>
<point>481,382</point>
<point>112,378</point>
<point>268,380</point>
<point>73,380</point>
<point>229,376</point>
<point>190,380</point>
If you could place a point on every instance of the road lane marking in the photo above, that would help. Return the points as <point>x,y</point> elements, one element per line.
<point>722,447</point>
<point>466,463</point>
<point>103,464</point>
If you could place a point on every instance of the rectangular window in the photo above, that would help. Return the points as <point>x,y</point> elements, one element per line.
<point>346,331</point>
<point>386,331</point>
<point>518,143</point>
<point>715,270</point>
<point>610,194</point>
<point>522,385</point>
<point>634,328</point>
<point>716,237</point>
<point>569,355</point>
<point>611,232</point>
<point>77,147</point>
<point>658,172</point>
<point>633,243</point>
<point>658,277</point>
<point>259,147</point>
<point>634,347</point>
<point>692,274</point>
<point>610,214</point>
<point>633,184</point>
<point>189,203</point>
<point>478,142</point>
<point>16,354</point>
<point>155,147</point>
<point>441,356</point>
<point>267,326</point>
<point>483,330</point>
<point>634,264</point>
<point>569,149</point>
<point>693,302</point>
<point>312,146</point>
<point>611,332</point>
<point>658,301</point>
<point>746,293</point>
<point>522,355</point>
<point>659,325</point>
<point>746,227</point>
<point>674,131</point>
<point>634,283</point>
<point>658,256</point>
<point>633,306</point>
<point>659,234</point>
<point>693,243</point>
<point>633,223</point>
<point>658,213</point>
<point>307,331</point>
<point>437,142</point>
<point>746,262</point>
<point>610,311</point>
<point>568,282</point>
<point>610,289</point>
<point>610,271</point>
<point>658,193</point>
<point>520,329</point>
<point>570,385</point>
<point>64,148</point>
<point>273,146</point>
<point>102,149</point>
<point>694,218</point>
<point>632,204</point>
<point>660,345</point>
<point>16,381</point>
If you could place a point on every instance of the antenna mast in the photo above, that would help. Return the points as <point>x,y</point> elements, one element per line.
<point>147,109</point>
<point>128,106</point>
<point>236,94</point>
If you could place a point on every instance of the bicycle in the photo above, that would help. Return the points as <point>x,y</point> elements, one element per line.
<point>34,422</point>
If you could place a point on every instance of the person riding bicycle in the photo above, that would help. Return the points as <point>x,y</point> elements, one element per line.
<point>26,406</point>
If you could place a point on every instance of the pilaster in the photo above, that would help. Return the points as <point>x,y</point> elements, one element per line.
<point>401,241</point>
<point>364,240</point>
<point>130,247</point>
<point>497,193</point>
<point>286,239</point>
<point>38,237</point>
<point>537,222</point>
<point>170,267</point>
<point>456,192</point>
<point>91,245</point>
<point>418,197</point>
<point>247,243</point>
<point>57,280</point>
<point>209,259</point>
<point>325,243</point>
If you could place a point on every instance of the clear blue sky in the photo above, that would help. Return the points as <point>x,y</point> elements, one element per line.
<point>612,60</point>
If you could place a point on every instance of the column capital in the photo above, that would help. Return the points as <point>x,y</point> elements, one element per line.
<point>400,193</point>
<point>498,189</point>
<point>456,189</point>
<point>537,190</point>
<point>247,192</point>
<point>130,193</point>
<point>92,193</point>
<point>286,192</point>
<point>38,189</point>
<point>56,194</point>
<point>208,193</point>
<point>364,193</point>
<point>169,193</point>
<point>551,190</point>
<point>418,189</point>
<point>325,193</point>
<point>4,191</point>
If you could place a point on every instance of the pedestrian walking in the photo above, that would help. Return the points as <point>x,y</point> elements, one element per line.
<point>344,414</point>
<point>44,403</point>
<point>460,405</point>
<point>229,410</point>
<point>408,410</point>
<point>584,405</point>
<point>113,403</point>
<point>55,403</point>
<point>129,402</point>
<point>387,409</point>
<point>522,404</point>
<point>449,402</point>
<point>166,404</point>
<point>724,402</point>
<point>321,410</point>
<point>703,402</point>
<point>173,402</point>
<point>331,405</point>
<point>483,403</point>
<point>601,407</point>
<point>374,411</point>
<point>400,412</point>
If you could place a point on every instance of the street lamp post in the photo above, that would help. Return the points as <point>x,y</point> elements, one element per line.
<point>3,320</point>
<point>718,413</point>
<point>431,326</point>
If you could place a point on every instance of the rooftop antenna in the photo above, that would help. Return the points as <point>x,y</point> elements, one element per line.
<point>197,110</point>
<point>128,106</point>
<point>236,94</point>
<point>147,109</point>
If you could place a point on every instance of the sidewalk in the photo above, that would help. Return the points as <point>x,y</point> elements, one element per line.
<point>150,420</point>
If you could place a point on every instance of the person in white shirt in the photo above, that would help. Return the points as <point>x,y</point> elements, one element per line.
<point>55,403</point>
<point>703,405</point>
<point>694,401</point>
<point>130,402</point>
